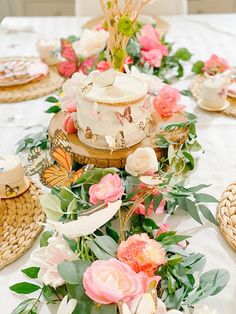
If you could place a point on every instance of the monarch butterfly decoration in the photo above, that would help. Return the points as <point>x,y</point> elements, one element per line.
<point>11,191</point>
<point>61,173</point>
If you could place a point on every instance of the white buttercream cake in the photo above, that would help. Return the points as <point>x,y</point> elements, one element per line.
<point>114,117</point>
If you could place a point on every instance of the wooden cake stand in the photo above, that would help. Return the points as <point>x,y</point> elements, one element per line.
<point>84,154</point>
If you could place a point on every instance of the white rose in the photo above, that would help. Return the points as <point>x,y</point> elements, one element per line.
<point>90,43</point>
<point>143,160</point>
<point>48,257</point>
<point>67,307</point>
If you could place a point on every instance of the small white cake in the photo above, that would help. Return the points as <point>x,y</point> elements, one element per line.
<point>213,94</point>
<point>114,117</point>
<point>12,179</point>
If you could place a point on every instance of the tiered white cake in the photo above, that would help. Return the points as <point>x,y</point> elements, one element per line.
<point>114,117</point>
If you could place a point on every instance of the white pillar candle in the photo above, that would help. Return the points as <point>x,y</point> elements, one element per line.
<point>49,50</point>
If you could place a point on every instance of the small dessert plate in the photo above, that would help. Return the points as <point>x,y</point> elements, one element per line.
<point>21,71</point>
<point>227,104</point>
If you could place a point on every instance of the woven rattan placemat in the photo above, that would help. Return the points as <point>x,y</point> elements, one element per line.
<point>196,88</point>
<point>34,89</point>
<point>226,215</point>
<point>20,219</point>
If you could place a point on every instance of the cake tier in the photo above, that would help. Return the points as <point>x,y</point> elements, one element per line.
<point>114,117</point>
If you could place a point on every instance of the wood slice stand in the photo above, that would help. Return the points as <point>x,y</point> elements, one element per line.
<point>84,154</point>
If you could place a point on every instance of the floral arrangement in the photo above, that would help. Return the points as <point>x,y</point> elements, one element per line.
<point>108,253</point>
<point>215,65</point>
<point>145,49</point>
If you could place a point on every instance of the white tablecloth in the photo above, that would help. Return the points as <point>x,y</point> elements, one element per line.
<point>202,35</point>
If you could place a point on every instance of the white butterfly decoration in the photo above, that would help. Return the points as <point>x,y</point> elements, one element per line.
<point>101,79</point>
<point>115,143</point>
<point>88,222</point>
<point>104,79</point>
<point>151,180</point>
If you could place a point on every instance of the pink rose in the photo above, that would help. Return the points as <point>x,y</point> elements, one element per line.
<point>141,208</point>
<point>142,254</point>
<point>166,103</point>
<point>152,57</point>
<point>111,281</point>
<point>69,124</point>
<point>148,37</point>
<point>216,65</point>
<point>103,66</point>
<point>109,189</point>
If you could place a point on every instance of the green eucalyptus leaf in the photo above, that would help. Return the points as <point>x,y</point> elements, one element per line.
<point>49,294</point>
<point>72,243</point>
<point>147,202</point>
<point>52,206</point>
<point>72,272</point>
<point>205,198</point>
<point>189,206</point>
<point>112,233</point>
<point>186,92</point>
<point>24,288</point>
<point>31,272</point>
<point>84,303</point>
<point>207,214</point>
<point>97,251</point>
<point>72,206</point>
<point>198,187</point>
<point>107,244</point>
<point>216,279</point>
<point>190,160</point>
<point>25,306</point>
<point>157,201</point>
<point>44,238</point>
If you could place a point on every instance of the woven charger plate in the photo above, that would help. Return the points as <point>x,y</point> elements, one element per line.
<point>31,90</point>
<point>195,88</point>
<point>226,215</point>
<point>161,25</point>
<point>19,224</point>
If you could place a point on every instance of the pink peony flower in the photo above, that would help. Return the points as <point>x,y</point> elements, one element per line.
<point>166,103</point>
<point>148,37</point>
<point>216,65</point>
<point>87,65</point>
<point>103,66</point>
<point>111,281</point>
<point>69,124</point>
<point>152,57</point>
<point>141,208</point>
<point>109,189</point>
<point>142,254</point>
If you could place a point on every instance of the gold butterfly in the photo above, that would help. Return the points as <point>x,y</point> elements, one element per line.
<point>11,191</point>
<point>116,143</point>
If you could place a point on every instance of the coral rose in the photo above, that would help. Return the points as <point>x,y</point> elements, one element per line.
<point>69,124</point>
<point>111,281</point>
<point>216,65</point>
<point>142,254</point>
<point>142,161</point>
<point>103,66</point>
<point>109,189</point>
<point>166,103</point>
<point>48,257</point>
<point>148,37</point>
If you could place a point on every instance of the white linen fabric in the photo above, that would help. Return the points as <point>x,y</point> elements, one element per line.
<point>202,35</point>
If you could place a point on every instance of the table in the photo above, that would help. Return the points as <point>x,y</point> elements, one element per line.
<point>203,35</point>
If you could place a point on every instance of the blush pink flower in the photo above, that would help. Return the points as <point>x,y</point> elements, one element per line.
<point>111,281</point>
<point>69,124</point>
<point>141,208</point>
<point>148,38</point>
<point>109,189</point>
<point>103,66</point>
<point>152,57</point>
<point>142,254</point>
<point>167,102</point>
<point>216,65</point>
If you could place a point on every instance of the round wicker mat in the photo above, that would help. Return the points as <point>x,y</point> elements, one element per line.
<point>34,89</point>
<point>226,215</point>
<point>19,224</point>
<point>196,88</point>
